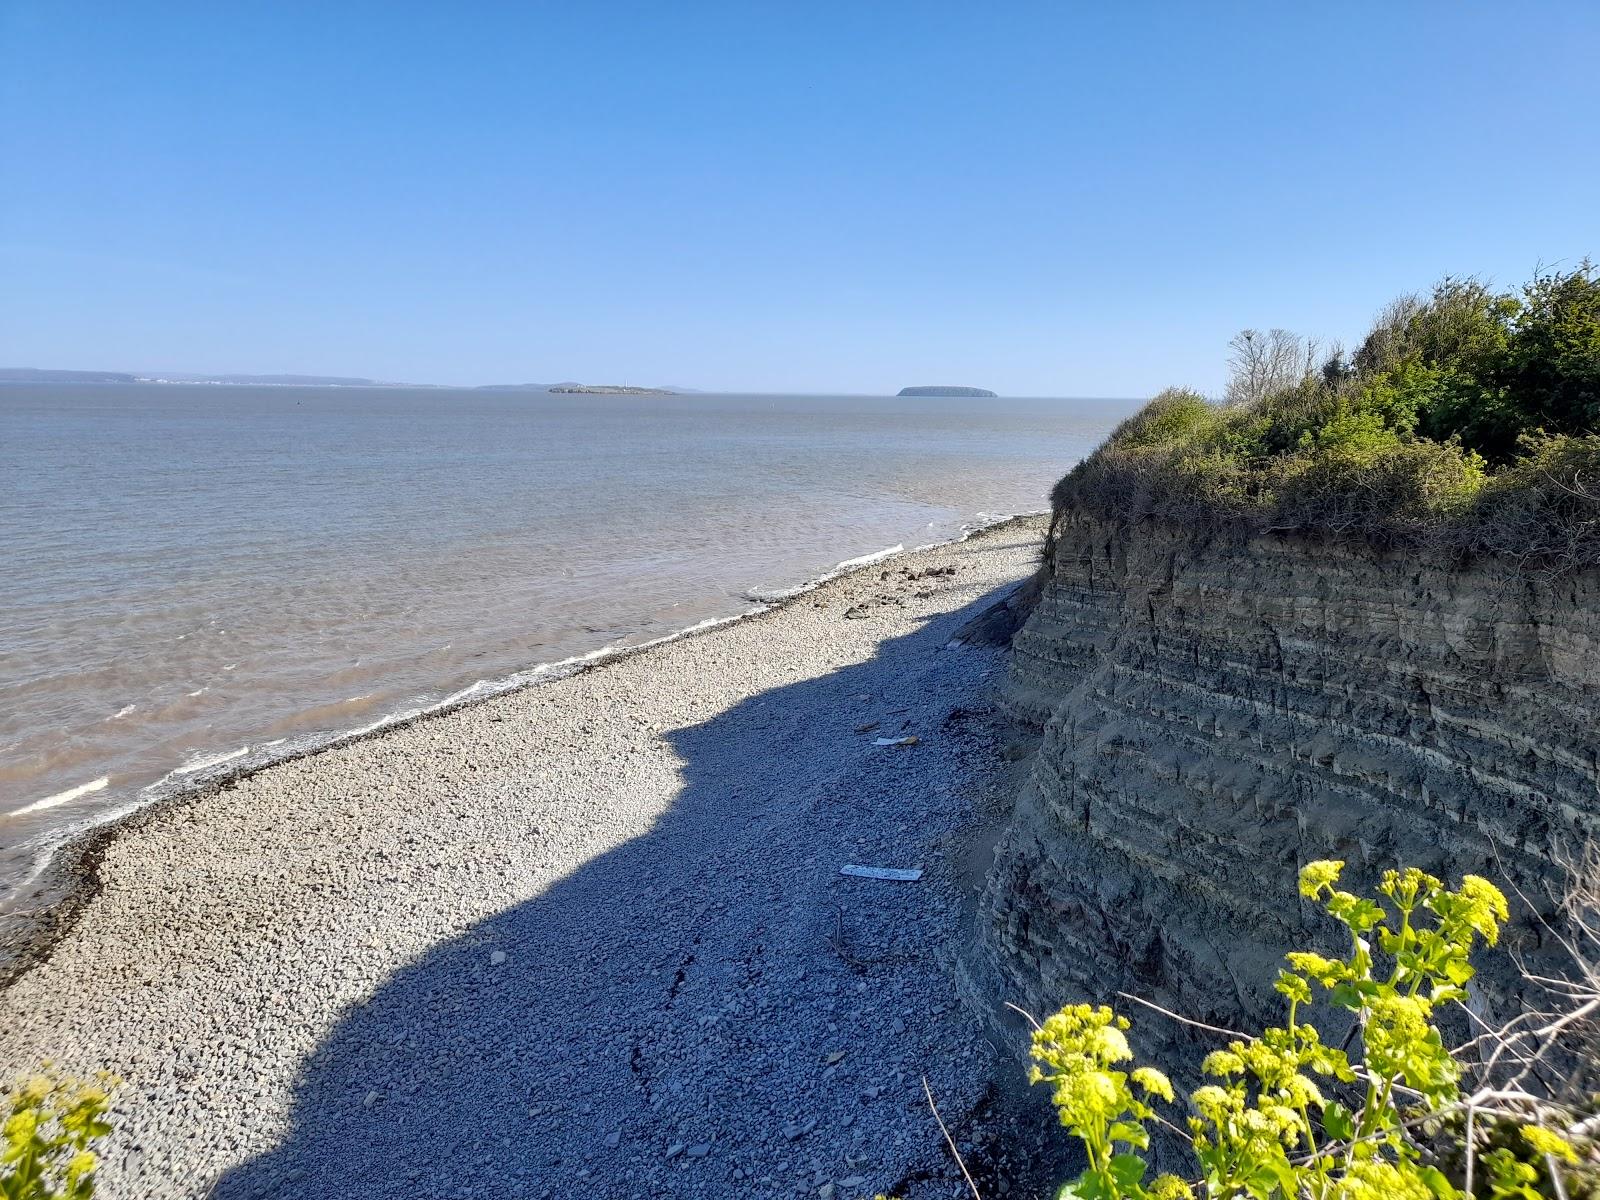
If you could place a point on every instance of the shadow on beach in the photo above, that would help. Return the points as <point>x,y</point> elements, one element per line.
<point>703,1008</point>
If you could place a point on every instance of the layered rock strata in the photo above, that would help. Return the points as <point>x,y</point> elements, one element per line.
<point>1216,713</point>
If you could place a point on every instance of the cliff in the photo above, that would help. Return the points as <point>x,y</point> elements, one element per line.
<point>1217,712</point>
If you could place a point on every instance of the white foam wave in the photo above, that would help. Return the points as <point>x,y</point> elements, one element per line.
<point>394,718</point>
<point>980,524</point>
<point>206,762</point>
<point>866,560</point>
<point>777,594</point>
<point>83,789</point>
<point>199,692</point>
<point>122,712</point>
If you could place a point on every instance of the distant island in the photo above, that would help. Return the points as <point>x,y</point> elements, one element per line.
<point>607,389</point>
<point>946,390</point>
<point>523,387</point>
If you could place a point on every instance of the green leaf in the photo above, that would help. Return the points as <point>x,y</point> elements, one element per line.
<point>1346,995</point>
<point>1434,1180</point>
<point>1127,1131</point>
<point>1338,1121</point>
<point>1128,1170</point>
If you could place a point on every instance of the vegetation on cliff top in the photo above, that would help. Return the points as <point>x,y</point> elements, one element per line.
<point>1469,419</point>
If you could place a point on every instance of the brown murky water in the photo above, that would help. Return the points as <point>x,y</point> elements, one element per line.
<point>193,579</point>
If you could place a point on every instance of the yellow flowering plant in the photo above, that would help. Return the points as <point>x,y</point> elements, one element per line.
<point>1282,1114</point>
<point>1077,1051</point>
<point>51,1125</point>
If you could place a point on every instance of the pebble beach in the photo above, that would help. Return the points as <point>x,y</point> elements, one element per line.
<point>587,938</point>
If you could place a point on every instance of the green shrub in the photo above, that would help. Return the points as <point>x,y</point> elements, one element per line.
<point>1551,366</point>
<point>1284,1114</point>
<point>1175,415</point>
<point>51,1125</point>
<point>1459,411</point>
<point>1365,481</point>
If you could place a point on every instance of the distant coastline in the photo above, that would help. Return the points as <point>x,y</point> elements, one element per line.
<point>39,375</point>
<point>33,375</point>
<point>948,390</point>
<point>570,387</point>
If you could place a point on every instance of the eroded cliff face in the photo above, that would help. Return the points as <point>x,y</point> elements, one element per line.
<point>1217,714</point>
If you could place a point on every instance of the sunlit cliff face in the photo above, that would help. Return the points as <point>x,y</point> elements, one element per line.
<point>1216,715</point>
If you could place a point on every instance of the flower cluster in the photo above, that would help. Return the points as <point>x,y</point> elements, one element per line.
<point>1285,1115</point>
<point>1077,1051</point>
<point>45,1143</point>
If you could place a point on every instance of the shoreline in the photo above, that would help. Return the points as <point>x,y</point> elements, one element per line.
<point>67,874</point>
<point>70,875</point>
<point>616,897</point>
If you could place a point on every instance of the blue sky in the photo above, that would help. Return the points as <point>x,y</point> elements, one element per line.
<point>1044,199</point>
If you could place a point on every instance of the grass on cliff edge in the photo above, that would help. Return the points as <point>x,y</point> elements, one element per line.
<point>1467,419</point>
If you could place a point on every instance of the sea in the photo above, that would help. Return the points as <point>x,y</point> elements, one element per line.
<point>197,579</point>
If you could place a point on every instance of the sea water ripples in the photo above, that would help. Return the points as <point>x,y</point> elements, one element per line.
<point>207,579</point>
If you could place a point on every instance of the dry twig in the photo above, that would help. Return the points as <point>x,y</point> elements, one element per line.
<point>950,1141</point>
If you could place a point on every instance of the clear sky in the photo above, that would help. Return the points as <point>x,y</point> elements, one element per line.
<point>1044,199</point>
